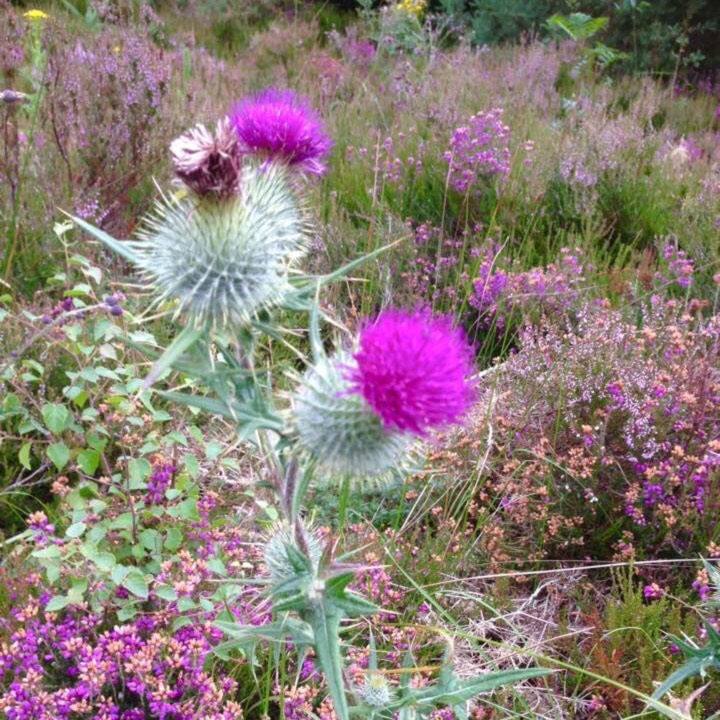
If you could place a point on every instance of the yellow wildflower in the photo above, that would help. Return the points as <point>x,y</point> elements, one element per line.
<point>36,15</point>
<point>413,7</point>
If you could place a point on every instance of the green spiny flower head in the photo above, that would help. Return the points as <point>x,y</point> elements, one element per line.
<point>278,549</point>
<point>376,690</point>
<point>224,258</point>
<point>337,427</point>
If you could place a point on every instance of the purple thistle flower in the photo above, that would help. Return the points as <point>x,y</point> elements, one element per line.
<point>280,125</point>
<point>414,371</point>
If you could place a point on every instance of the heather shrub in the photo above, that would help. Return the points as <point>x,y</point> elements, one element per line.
<point>220,453</point>
<point>606,432</point>
<point>107,108</point>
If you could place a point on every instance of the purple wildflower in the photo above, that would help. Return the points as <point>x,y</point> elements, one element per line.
<point>653,592</point>
<point>479,150</point>
<point>280,125</point>
<point>160,481</point>
<point>414,371</point>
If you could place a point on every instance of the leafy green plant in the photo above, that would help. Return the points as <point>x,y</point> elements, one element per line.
<point>581,27</point>
<point>226,257</point>
<point>700,660</point>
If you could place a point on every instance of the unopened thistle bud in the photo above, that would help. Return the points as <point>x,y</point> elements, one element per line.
<point>337,427</point>
<point>277,553</point>
<point>376,690</point>
<point>224,258</point>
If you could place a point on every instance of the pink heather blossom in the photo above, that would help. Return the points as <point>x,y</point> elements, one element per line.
<point>414,371</point>
<point>279,124</point>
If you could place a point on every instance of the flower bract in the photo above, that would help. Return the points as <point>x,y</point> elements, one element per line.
<point>339,429</point>
<point>223,260</point>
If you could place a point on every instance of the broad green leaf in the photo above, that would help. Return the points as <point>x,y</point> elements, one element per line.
<point>217,566</point>
<point>88,460</point>
<point>105,561</point>
<point>135,583</point>
<point>24,455</point>
<point>150,540</point>
<point>213,450</point>
<point>57,603</point>
<point>53,551</point>
<point>185,510</point>
<point>119,573</point>
<point>173,539</point>
<point>127,612</point>
<point>76,530</point>
<point>192,465</point>
<point>139,469</point>
<point>56,417</point>
<point>59,454</point>
<point>185,604</point>
<point>166,592</point>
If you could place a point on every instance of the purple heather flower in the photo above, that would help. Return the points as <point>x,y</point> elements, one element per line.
<point>280,125</point>
<point>414,371</point>
<point>653,592</point>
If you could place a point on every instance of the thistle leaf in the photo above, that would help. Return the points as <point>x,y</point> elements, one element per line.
<point>694,666</point>
<point>326,631</point>
<point>124,249</point>
<point>188,337</point>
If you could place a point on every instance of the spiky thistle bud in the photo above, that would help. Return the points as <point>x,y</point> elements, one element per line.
<point>208,164</point>
<point>224,259</point>
<point>375,690</point>
<point>277,553</point>
<point>338,428</point>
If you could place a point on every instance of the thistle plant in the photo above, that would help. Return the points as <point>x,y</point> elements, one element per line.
<point>222,252</point>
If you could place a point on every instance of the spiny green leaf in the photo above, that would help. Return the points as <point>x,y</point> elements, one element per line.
<point>188,337</point>
<point>121,248</point>
<point>468,689</point>
<point>694,666</point>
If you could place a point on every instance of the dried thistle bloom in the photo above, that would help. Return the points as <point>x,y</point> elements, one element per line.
<point>224,261</point>
<point>414,371</point>
<point>208,164</point>
<point>339,429</point>
<point>279,125</point>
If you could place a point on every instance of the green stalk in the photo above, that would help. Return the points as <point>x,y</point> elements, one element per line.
<point>343,503</point>
<point>12,238</point>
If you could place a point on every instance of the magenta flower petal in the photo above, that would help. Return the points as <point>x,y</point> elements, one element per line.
<point>414,370</point>
<point>280,125</point>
